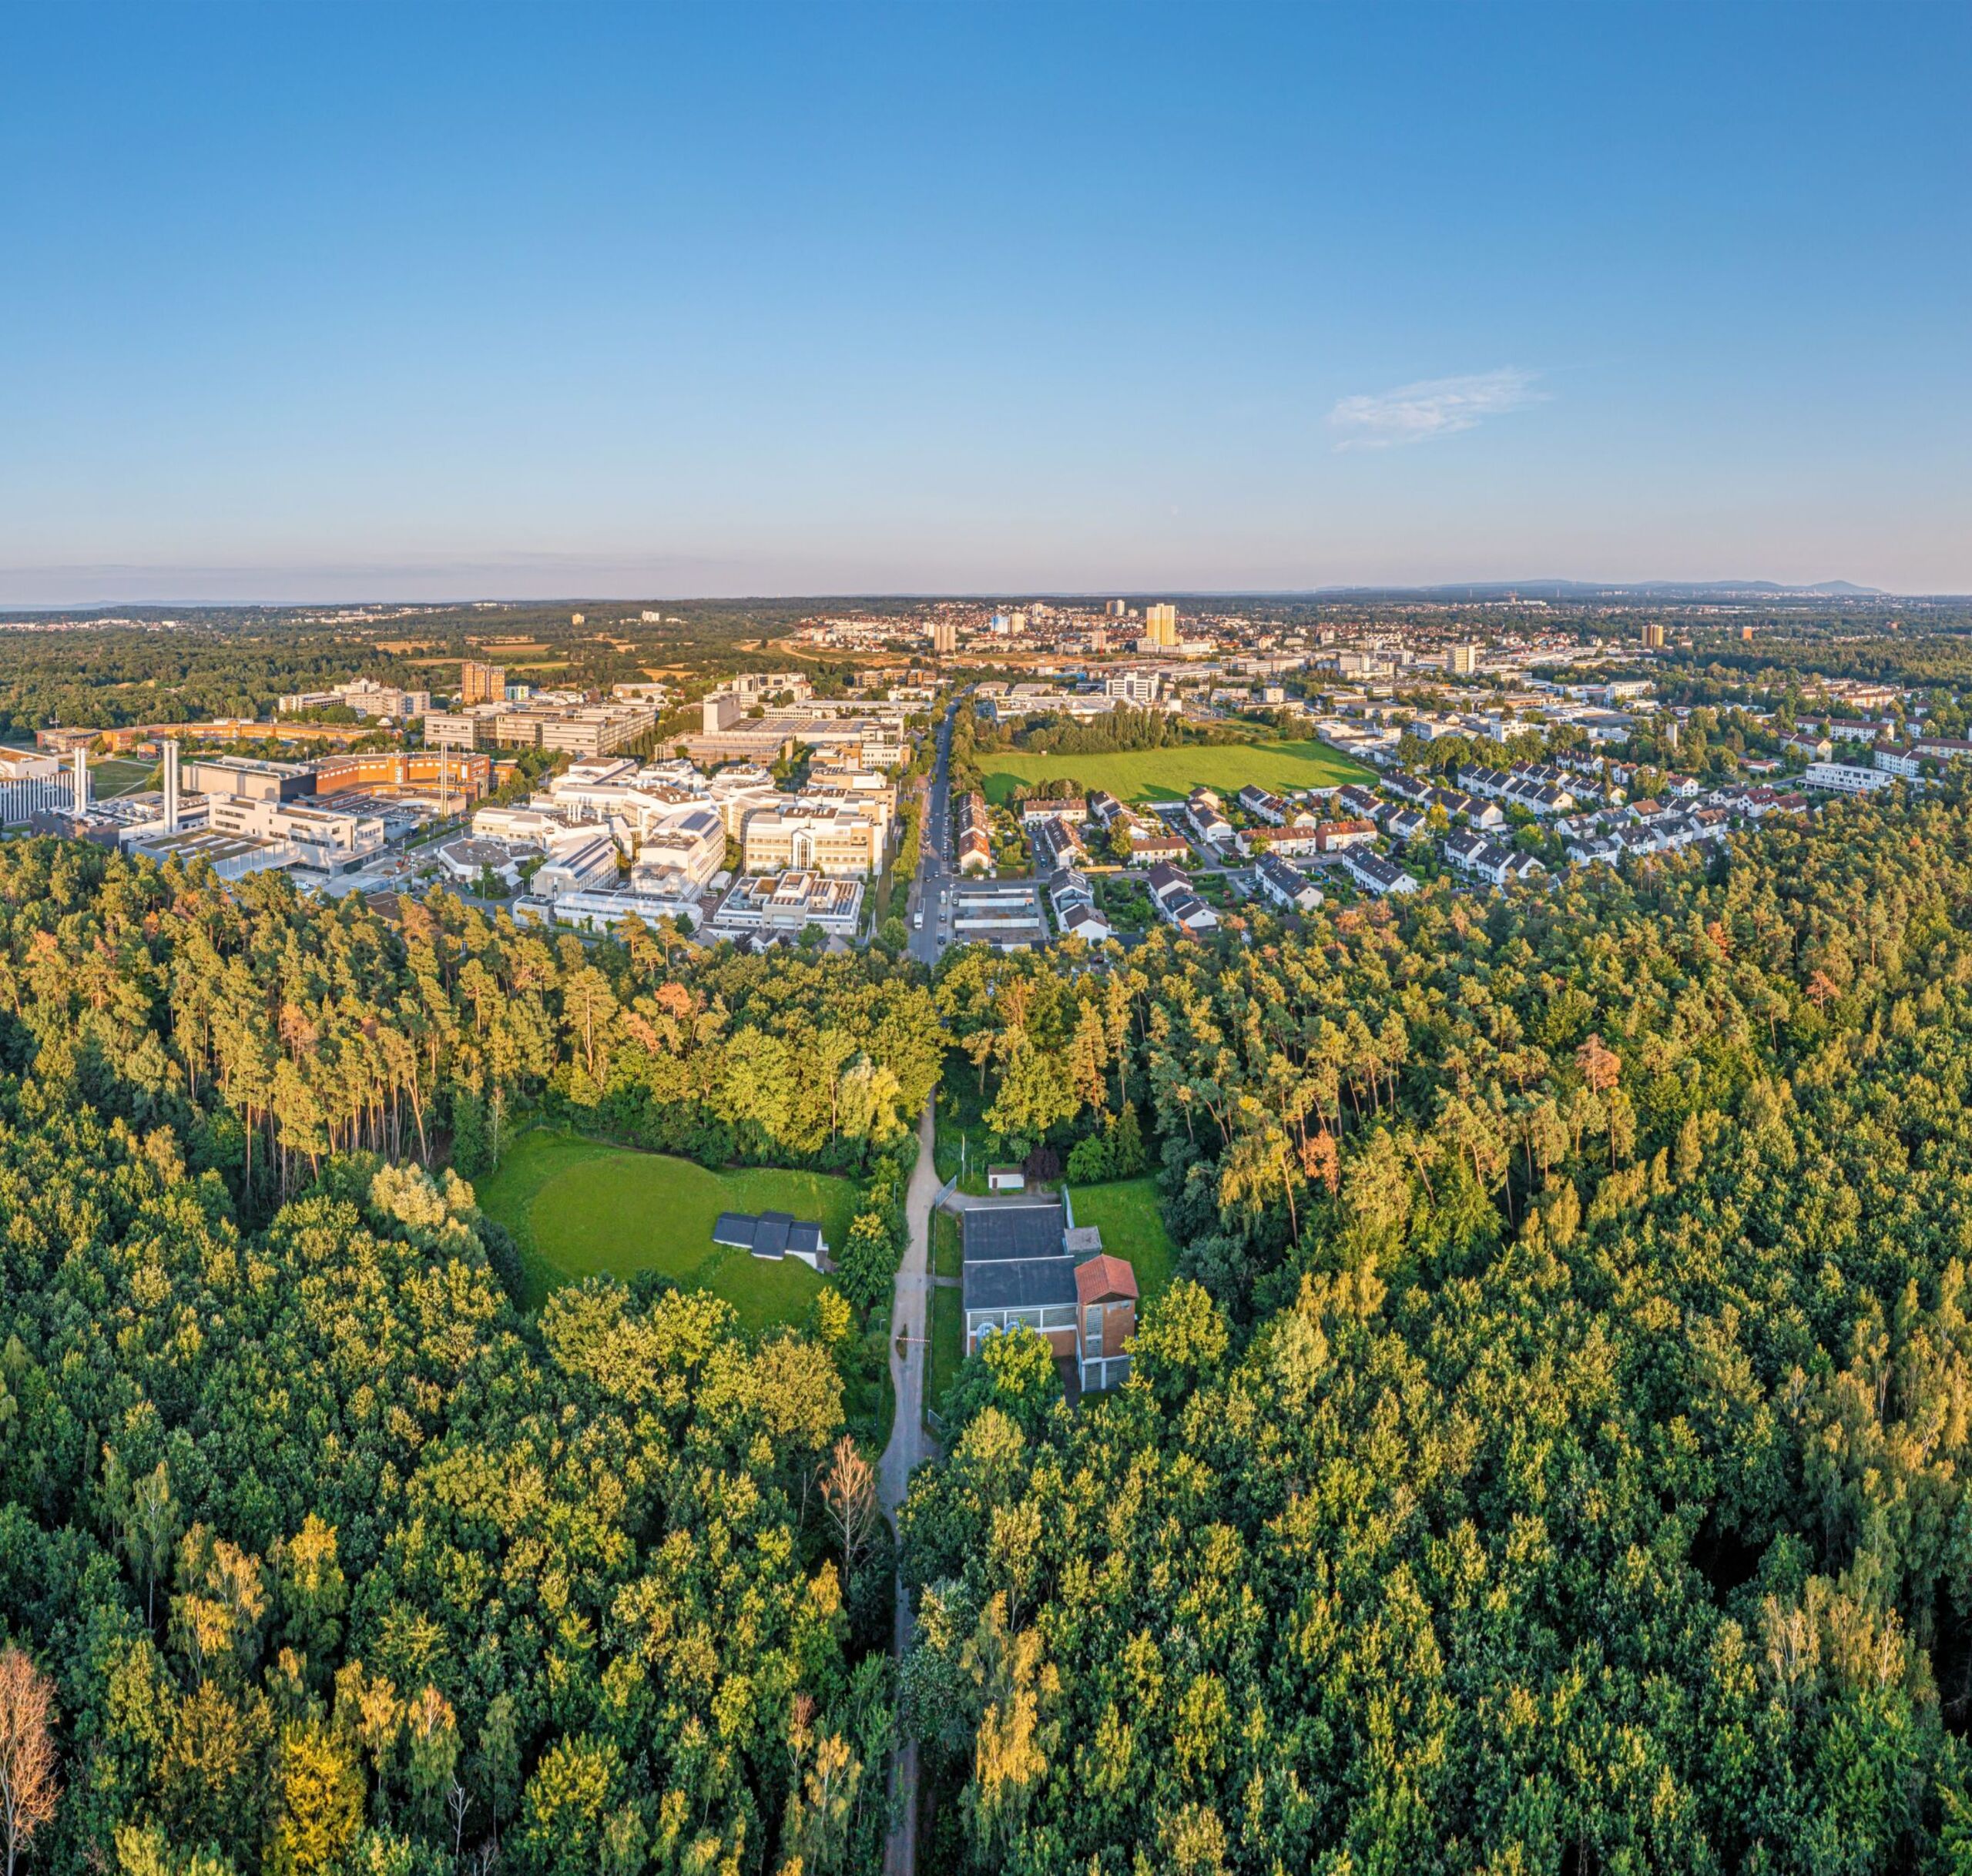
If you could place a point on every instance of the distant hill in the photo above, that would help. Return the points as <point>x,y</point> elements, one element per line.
<point>1629,589</point>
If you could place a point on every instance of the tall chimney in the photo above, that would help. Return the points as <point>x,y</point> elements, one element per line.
<point>171,786</point>
<point>81,790</point>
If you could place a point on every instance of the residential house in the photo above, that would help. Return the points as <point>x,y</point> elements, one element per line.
<point>1157,846</point>
<point>1075,912</point>
<point>1340,836</point>
<point>1025,1267</point>
<point>1039,808</point>
<point>1202,810</point>
<point>1375,874</point>
<point>1287,885</point>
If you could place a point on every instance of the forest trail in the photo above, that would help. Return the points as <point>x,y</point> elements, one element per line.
<point>910,1316</point>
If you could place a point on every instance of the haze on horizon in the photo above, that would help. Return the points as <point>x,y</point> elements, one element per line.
<point>437,302</point>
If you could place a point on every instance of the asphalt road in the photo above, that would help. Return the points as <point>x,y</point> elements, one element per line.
<point>909,1325</point>
<point>929,896</point>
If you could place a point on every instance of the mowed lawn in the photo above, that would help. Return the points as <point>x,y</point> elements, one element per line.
<point>122,775</point>
<point>1170,774</point>
<point>578,1208</point>
<point>947,1345</point>
<point>1125,1210</point>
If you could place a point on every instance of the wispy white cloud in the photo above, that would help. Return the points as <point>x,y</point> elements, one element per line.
<point>1436,408</point>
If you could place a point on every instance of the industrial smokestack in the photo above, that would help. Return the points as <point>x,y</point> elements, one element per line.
<point>171,787</point>
<point>81,790</point>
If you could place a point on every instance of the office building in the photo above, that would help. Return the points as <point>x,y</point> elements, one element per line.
<point>481,683</point>
<point>818,836</point>
<point>784,904</point>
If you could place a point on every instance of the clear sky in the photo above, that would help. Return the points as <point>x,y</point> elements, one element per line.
<point>327,301</point>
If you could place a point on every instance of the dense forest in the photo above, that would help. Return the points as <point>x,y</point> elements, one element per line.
<point>326,1557</point>
<point>1552,1455</point>
<point>235,662</point>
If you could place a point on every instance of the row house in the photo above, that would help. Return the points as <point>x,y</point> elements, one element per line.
<point>972,834</point>
<point>1055,844</point>
<point>1202,809</point>
<point>1340,836</point>
<point>1487,860</point>
<point>1376,875</point>
<point>1153,846</point>
<point>1075,911</point>
<point>1178,904</point>
<point>1297,842</point>
<point>1262,805</point>
<point>1287,885</point>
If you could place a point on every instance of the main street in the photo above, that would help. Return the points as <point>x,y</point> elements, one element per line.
<point>930,906</point>
<point>910,1311</point>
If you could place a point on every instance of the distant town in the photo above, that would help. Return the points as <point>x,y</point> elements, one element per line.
<point>1011,775</point>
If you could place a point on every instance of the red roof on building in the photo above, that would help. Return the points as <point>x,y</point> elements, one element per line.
<point>1103,1278</point>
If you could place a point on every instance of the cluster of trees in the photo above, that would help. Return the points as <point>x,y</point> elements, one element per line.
<point>271,1029</point>
<point>318,1555</point>
<point>334,1563</point>
<point>1554,1454</point>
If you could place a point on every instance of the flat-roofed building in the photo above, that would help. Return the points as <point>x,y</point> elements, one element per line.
<point>783,904</point>
<point>242,778</point>
<point>822,836</point>
<point>326,838</point>
<point>578,861</point>
<point>232,856</point>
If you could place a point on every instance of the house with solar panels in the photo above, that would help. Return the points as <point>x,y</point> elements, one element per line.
<point>1029,1265</point>
<point>773,1235</point>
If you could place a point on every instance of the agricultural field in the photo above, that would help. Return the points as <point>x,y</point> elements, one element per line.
<point>578,1208</point>
<point>1170,774</point>
<point>1125,1210</point>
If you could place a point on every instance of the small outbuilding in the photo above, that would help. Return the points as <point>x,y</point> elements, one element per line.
<point>773,1234</point>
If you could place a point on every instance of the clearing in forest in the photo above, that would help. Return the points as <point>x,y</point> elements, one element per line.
<point>578,1207</point>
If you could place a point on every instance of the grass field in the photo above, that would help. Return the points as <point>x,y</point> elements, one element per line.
<point>578,1208</point>
<point>118,774</point>
<point>1126,1211</point>
<point>947,1344</point>
<point>947,1252</point>
<point>1169,775</point>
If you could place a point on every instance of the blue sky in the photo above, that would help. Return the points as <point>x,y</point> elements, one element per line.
<point>414,300</point>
